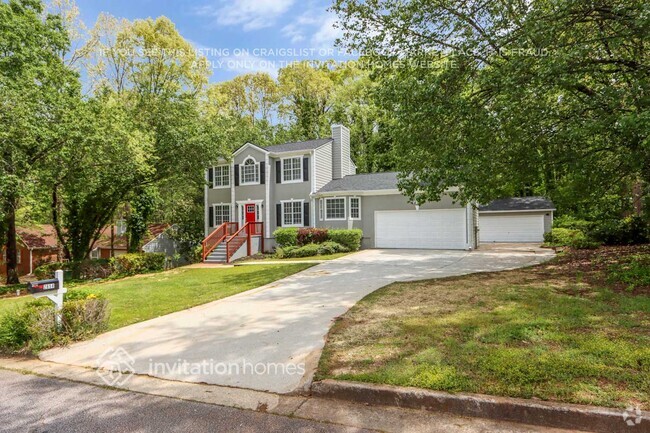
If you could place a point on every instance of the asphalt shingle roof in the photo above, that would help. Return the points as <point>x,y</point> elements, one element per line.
<point>518,203</point>
<point>362,182</point>
<point>298,145</point>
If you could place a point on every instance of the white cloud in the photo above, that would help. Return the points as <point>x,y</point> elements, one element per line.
<point>250,14</point>
<point>326,34</point>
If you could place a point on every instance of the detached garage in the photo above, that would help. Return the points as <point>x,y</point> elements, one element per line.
<point>516,219</point>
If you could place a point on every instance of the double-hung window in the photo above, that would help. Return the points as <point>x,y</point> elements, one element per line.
<point>292,213</point>
<point>292,169</point>
<point>355,208</point>
<point>221,214</point>
<point>250,172</point>
<point>335,208</point>
<point>221,176</point>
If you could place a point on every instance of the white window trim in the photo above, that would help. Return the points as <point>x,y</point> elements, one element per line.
<point>321,209</point>
<point>214,213</point>
<point>345,208</point>
<point>214,176</point>
<point>300,179</point>
<point>350,208</point>
<point>302,215</point>
<point>241,172</point>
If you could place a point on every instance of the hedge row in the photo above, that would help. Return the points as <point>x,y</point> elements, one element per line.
<point>127,264</point>
<point>310,250</point>
<point>295,237</point>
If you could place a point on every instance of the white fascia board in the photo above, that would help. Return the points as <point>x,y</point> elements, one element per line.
<point>292,153</point>
<point>358,193</point>
<point>515,211</point>
<point>247,145</point>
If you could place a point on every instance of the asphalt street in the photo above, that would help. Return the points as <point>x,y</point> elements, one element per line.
<point>36,404</point>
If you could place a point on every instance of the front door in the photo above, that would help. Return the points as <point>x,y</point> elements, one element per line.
<point>250,213</point>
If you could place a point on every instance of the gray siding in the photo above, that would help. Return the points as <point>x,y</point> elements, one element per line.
<point>287,191</point>
<point>370,204</point>
<point>323,175</point>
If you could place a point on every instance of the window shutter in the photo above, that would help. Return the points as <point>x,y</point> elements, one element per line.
<point>305,169</point>
<point>236,174</point>
<point>278,214</point>
<point>278,171</point>
<point>262,172</point>
<point>305,215</point>
<point>211,216</point>
<point>211,177</point>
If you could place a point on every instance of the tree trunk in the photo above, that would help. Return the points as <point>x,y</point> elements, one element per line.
<point>11,246</point>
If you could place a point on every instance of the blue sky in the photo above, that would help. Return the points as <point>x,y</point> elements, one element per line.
<point>239,36</point>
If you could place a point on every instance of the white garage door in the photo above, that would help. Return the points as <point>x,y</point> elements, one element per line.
<point>435,229</point>
<point>511,228</point>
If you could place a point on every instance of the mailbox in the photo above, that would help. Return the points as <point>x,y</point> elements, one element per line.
<point>43,286</point>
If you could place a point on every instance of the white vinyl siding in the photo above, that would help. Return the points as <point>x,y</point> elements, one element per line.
<point>221,176</point>
<point>292,213</point>
<point>427,229</point>
<point>335,208</point>
<point>292,169</point>
<point>511,228</point>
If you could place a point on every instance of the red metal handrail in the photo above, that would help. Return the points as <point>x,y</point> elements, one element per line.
<point>251,229</point>
<point>216,237</point>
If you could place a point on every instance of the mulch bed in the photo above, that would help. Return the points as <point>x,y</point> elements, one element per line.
<point>592,266</point>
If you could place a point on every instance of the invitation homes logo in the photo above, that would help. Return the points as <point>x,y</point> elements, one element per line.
<point>633,416</point>
<point>116,366</point>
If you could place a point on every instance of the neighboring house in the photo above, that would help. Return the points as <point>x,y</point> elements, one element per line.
<point>156,240</point>
<point>314,184</point>
<point>516,219</point>
<point>36,245</point>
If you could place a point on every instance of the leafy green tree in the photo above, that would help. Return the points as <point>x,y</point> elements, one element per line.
<point>38,94</point>
<point>511,97</point>
<point>142,207</point>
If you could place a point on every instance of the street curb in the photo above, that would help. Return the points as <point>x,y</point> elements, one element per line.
<point>542,413</point>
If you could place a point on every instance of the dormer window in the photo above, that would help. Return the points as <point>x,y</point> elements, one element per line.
<point>250,172</point>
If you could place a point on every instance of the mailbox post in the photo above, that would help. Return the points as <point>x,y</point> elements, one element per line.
<point>51,289</point>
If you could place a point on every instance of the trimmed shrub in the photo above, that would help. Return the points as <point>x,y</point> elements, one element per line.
<point>330,247</point>
<point>627,231</point>
<point>569,222</point>
<point>560,237</point>
<point>286,237</point>
<point>138,263</point>
<point>83,270</point>
<point>285,252</point>
<point>311,236</point>
<point>351,239</point>
<point>32,326</point>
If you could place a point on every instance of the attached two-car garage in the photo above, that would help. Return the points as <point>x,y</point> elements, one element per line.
<point>434,229</point>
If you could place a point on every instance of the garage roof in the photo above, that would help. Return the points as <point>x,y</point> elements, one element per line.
<point>362,182</point>
<point>518,204</point>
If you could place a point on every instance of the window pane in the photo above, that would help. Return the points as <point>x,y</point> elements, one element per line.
<point>292,211</point>
<point>335,208</point>
<point>221,214</point>
<point>250,172</point>
<point>222,175</point>
<point>354,207</point>
<point>291,169</point>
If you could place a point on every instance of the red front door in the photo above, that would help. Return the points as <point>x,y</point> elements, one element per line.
<point>250,213</point>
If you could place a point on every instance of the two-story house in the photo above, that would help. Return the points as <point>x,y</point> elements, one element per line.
<point>314,184</point>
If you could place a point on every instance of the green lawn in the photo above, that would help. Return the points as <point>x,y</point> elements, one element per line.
<point>144,297</point>
<point>301,259</point>
<point>555,332</point>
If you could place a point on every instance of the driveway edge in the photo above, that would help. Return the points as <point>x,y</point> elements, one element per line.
<point>542,413</point>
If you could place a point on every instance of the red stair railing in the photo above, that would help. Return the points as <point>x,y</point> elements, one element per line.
<point>244,234</point>
<point>216,237</point>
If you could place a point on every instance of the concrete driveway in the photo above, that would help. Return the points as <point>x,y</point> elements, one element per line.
<point>271,338</point>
